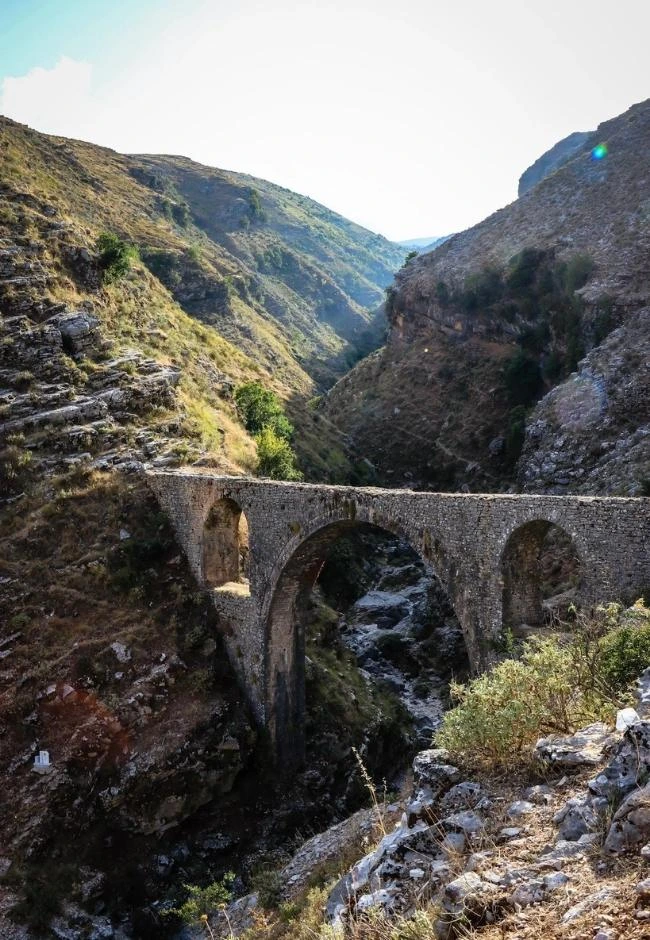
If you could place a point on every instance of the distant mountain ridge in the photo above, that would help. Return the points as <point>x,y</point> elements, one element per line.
<point>423,245</point>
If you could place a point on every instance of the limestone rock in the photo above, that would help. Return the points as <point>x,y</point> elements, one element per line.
<point>520,808</point>
<point>584,748</point>
<point>431,768</point>
<point>577,817</point>
<point>629,764</point>
<point>643,694</point>
<point>466,795</point>
<point>593,900</point>
<point>625,718</point>
<point>468,822</point>
<point>468,896</point>
<point>540,794</point>
<point>630,826</point>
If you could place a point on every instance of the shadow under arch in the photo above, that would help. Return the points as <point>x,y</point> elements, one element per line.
<point>224,558</point>
<point>285,628</point>
<point>540,561</point>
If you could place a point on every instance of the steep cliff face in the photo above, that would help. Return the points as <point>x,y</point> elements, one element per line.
<point>498,316</point>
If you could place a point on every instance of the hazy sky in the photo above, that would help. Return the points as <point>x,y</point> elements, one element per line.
<point>414,117</point>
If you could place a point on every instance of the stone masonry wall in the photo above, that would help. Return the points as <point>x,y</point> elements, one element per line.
<point>463,537</point>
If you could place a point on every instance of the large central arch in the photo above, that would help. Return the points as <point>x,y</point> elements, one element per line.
<point>284,667</point>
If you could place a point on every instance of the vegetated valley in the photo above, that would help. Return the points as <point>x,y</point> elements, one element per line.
<point>159,313</point>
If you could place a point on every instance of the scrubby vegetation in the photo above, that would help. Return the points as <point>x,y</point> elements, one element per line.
<point>538,295</point>
<point>200,900</point>
<point>263,415</point>
<point>275,458</point>
<point>551,685</point>
<point>115,256</point>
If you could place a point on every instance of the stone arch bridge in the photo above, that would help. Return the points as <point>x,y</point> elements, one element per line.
<point>484,548</point>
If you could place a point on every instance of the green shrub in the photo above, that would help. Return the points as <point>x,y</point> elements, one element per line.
<point>275,457</point>
<point>625,651</point>
<point>261,408</point>
<point>500,714</point>
<point>15,463</point>
<point>577,272</point>
<point>481,290</point>
<point>523,379</point>
<point>115,256</point>
<point>524,268</point>
<point>181,214</point>
<point>515,433</point>
<point>200,901</point>
<point>256,212</point>
<point>268,883</point>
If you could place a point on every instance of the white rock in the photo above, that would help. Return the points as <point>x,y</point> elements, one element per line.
<point>382,898</point>
<point>122,654</point>
<point>626,717</point>
<point>592,900</point>
<point>520,808</point>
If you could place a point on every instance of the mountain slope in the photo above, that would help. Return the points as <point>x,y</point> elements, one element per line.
<point>110,658</point>
<point>276,272</point>
<point>497,316</point>
<point>552,160</point>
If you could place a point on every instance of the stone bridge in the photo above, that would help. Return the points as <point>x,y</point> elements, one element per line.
<point>484,549</point>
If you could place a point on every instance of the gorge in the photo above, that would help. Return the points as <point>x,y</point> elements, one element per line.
<point>201,649</point>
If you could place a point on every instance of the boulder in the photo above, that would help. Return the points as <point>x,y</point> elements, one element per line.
<point>643,694</point>
<point>626,717</point>
<point>432,769</point>
<point>583,749</point>
<point>629,765</point>
<point>540,794</point>
<point>630,828</point>
<point>466,795</point>
<point>78,330</point>
<point>578,816</point>
<point>520,808</point>
<point>467,896</point>
<point>591,901</point>
<point>468,822</point>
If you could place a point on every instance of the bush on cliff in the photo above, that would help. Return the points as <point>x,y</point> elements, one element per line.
<point>275,458</point>
<point>115,256</point>
<point>261,408</point>
<point>263,415</point>
<point>552,686</point>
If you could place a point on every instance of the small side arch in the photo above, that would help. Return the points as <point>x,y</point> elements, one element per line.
<point>224,558</point>
<point>540,567</point>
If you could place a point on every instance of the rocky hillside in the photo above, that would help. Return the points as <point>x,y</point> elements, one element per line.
<point>499,316</point>
<point>237,279</point>
<point>109,657</point>
<point>277,273</point>
<point>552,160</point>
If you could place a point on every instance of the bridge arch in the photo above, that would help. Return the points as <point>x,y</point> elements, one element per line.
<point>224,544</point>
<point>295,575</point>
<point>540,558</point>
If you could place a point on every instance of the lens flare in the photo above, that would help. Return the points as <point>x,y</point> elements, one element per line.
<point>599,151</point>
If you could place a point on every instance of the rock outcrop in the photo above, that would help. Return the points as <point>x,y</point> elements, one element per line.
<point>543,302</point>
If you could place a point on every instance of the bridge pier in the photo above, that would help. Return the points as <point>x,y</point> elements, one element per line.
<point>483,547</point>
